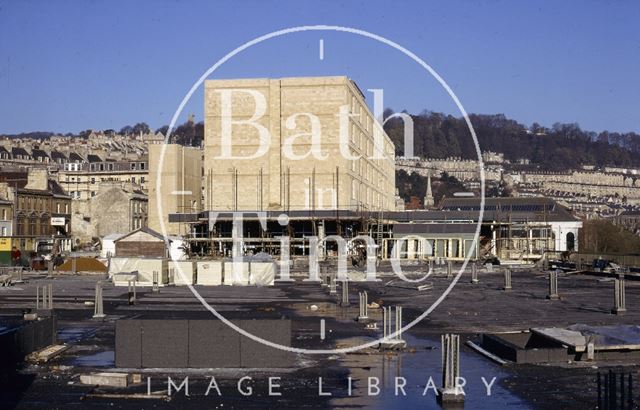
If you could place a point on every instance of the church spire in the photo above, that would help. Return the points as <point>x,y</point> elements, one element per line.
<point>428,198</point>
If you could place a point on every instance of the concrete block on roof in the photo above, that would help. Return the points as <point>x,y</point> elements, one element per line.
<point>144,268</point>
<point>236,273</point>
<point>105,379</point>
<point>165,343</point>
<point>262,273</point>
<point>258,355</point>
<point>209,273</point>
<point>213,344</point>
<point>128,344</point>
<point>182,273</point>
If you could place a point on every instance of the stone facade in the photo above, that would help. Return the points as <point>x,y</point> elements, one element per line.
<point>180,185</point>
<point>41,208</point>
<point>276,180</point>
<point>115,209</point>
<point>82,180</point>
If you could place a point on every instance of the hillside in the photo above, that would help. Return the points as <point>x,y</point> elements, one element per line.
<point>564,146</point>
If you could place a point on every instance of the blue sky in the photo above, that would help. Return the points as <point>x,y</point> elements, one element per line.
<point>73,65</point>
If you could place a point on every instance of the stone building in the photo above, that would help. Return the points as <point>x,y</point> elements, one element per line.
<point>41,209</point>
<point>6,217</point>
<point>179,180</point>
<point>117,208</point>
<point>82,180</point>
<point>629,219</point>
<point>519,228</point>
<point>269,162</point>
<point>142,242</point>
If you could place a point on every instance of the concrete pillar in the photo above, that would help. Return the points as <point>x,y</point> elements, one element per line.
<point>132,292</point>
<point>411,250</point>
<point>44,297</point>
<point>591,348</point>
<point>449,269</point>
<point>398,323</point>
<point>494,241</point>
<point>392,325</point>
<point>450,392</point>
<point>333,286</point>
<point>507,279</point>
<point>363,305</point>
<point>553,285</point>
<point>98,312</point>
<point>18,272</point>
<point>345,294</point>
<point>474,273</point>
<point>387,322</point>
<point>619,297</point>
<point>156,281</point>
<point>50,268</point>
<point>324,278</point>
<point>74,264</point>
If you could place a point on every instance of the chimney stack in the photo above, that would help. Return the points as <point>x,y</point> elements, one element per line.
<point>38,179</point>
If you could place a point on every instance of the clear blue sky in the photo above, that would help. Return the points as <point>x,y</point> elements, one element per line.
<point>74,65</point>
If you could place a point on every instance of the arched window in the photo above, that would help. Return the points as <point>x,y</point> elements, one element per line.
<point>571,241</point>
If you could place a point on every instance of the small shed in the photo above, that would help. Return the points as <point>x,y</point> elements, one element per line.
<point>142,242</point>
<point>109,244</point>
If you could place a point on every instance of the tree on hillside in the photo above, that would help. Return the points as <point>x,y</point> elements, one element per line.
<point>141,128</point>
<point>562,147</point>
<point>126,130</point>
<point>601,236</point>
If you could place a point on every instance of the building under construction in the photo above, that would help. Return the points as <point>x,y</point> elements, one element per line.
<point>511,228</point>
<point>308,168</point>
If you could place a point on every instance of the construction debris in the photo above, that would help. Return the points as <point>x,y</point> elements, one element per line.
<point>83,265</point>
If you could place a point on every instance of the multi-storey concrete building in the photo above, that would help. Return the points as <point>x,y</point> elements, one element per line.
<point>275,144</point>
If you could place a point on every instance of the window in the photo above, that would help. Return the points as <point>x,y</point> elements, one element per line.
<point>93,180</point>
<point>4,214</point>
<point>4,231</point>
<point>32,225</point>
<point>133,165</point>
